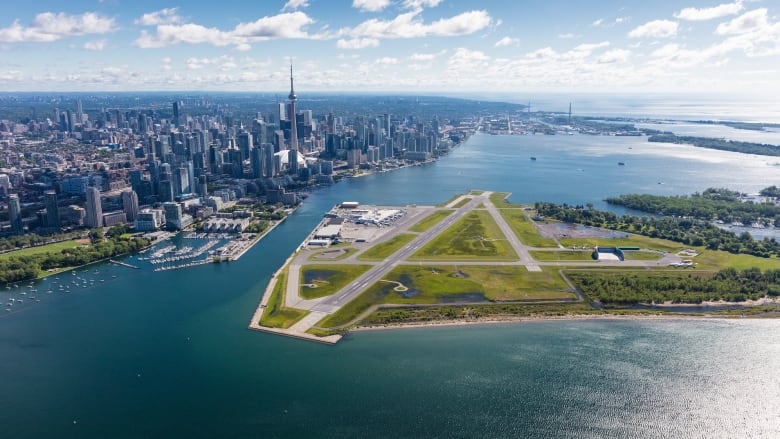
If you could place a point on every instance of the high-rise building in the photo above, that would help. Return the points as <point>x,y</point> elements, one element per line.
<point>268,160</point>
<point>203,186</point>
<point>15,214</point>
<point>130,204</point>
<point>293,127</point>
<point>173,215</point>
<point>52,209</point>
<point>176,114</point>
<point>256,162</point>
<point>94,210</point>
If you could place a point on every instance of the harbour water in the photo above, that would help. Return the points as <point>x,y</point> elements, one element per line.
<point>138,353</point>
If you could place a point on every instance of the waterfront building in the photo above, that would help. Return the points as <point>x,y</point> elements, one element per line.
<point>94,211</point>
<point>149,220</point>
<point>15,214</point>
<point>113,218</point>
<point>130,204</point>
<point>173,215</point>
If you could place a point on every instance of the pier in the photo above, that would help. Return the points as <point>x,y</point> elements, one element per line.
<point>123,264</point>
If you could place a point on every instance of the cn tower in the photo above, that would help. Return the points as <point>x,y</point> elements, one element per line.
<point>293,127</point>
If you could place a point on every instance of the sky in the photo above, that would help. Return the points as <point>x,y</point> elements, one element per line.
<point>495,46</point>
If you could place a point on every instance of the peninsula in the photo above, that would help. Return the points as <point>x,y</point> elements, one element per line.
<point>480,258</point>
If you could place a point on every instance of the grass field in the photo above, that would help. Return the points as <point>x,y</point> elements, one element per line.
<point>461,203</point>
<point>275,314</point>
<point>475,236</point>
<point>447,284</point>
<point>499,199</point>
<point>716,260</point>
<point>384,249</point>
<point>632,255</point>
<point>55,247</point>
<point>476,192</point>
<point>430,220</point>
<point>525,230</point>
<point>562,255</point>
<point>328,278</point>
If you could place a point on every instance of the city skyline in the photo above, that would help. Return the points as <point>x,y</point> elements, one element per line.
<point>384,45</point>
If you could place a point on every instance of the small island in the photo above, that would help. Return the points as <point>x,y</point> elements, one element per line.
<point>478,258</point>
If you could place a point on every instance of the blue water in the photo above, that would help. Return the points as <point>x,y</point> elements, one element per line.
<point>167,354</point>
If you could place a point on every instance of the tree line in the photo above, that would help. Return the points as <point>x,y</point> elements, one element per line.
<point>689,231</point>
<point>712,204</point>
<point>26,267</point>
<point>628,288</point>
<point>720,144</point>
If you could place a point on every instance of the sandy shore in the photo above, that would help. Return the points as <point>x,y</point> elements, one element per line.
<point>572,317</point>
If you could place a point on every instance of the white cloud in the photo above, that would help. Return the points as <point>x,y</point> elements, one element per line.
<point>419,4</point>
<point>96,45</point>
<point>387,61</point>
<point>163,16</point>
<point>409,25</point>
<point>224,62</point>
<point>747,22</point>
<point>465,59</point>
<point>426,56</point>
<point>285,25</point>
<point>292,5</point>
<point>506,41</point>
<point>243,47</point>
<point>598,22</point>
<point>370,5</point>
<point>48,26</point>
<point>700,14</point>
<point>655,29</point>
<point>613,56</point>
<point>357,43</point>
<point>567,36</point>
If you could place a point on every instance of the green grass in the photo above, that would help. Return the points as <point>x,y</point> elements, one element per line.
<point>275,314</point>
<point>461,203</point>
<point>716,259</point>
<point>384,249</point>
<point>54,247</point>
<point>441,285</point>
<point>562,255</point>
<point>633,255</point>
<point>431,220</point>
<point>347,252</point>
<point>525,230</point>
<point>475,236</point>
<point>499,199</point>
<point>328,278</point>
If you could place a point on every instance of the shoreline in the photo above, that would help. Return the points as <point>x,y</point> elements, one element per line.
<point>532,319</point>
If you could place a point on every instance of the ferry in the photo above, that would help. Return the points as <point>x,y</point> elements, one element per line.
<point>533,158</point>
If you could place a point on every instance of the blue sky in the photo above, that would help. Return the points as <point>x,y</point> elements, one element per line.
<point>393,45</point>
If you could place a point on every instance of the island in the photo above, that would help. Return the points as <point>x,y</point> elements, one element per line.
<point>479,258</point>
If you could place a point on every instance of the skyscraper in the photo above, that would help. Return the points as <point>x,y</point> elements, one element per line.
<point>15,214</point>
<point>176,113</point>
<point>52,209</point>
<point>130,204</point>
<point>94,210</point>
<point>293,127</point>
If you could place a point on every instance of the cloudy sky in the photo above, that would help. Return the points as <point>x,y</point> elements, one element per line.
<point>392,45</point>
